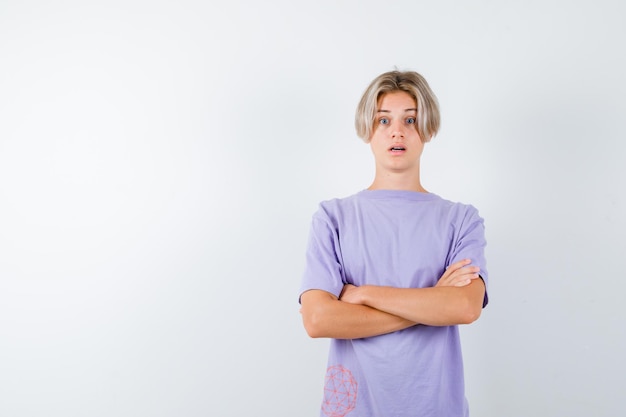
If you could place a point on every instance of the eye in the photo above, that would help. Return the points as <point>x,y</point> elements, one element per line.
<point>383,121</point>
<point>410,120</point>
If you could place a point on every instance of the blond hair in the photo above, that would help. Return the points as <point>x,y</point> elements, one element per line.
<point>415,85</point>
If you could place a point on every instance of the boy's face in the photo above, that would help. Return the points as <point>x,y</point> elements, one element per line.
<point>396,145</point>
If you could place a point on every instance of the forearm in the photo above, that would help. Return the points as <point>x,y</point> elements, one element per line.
<point>435,306</point>
<point>325,316</point>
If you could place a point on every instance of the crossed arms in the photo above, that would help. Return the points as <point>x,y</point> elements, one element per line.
<point>370,310</point>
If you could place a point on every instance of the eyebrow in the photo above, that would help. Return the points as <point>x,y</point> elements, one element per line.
<point>389,111</point>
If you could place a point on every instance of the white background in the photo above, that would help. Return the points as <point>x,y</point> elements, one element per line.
<point>160,162</point>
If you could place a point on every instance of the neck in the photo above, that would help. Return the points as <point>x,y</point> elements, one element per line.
<point>397,181</point>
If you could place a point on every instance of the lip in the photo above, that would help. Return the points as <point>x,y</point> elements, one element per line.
<point>397,148</point>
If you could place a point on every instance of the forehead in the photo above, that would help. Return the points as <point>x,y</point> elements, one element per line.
<point>396,100</point>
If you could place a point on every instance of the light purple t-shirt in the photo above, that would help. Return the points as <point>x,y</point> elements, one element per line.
<point>402,239</point>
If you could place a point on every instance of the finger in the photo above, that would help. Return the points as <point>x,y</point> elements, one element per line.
<point>465,270</point>
<point>452,268</point>
<point>468,277</point>
<point>459,271</point>
<point>460,279</point>
<point>458,265</point>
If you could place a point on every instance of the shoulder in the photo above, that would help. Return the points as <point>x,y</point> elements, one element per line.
<point>458,208</point>
<point>460,216</point>
<point>335,207</point>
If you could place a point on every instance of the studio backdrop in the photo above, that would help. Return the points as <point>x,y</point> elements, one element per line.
<point>160,163</point>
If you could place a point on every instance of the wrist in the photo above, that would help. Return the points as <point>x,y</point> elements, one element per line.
<point>364,295</point>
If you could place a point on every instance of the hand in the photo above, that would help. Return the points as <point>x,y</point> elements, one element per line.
<point>459,274</point>
<point>350,294</point>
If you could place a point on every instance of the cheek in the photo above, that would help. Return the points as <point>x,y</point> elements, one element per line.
<point>376,146</point>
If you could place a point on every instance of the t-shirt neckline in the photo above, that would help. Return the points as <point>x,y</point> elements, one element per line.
<point>395,194</point>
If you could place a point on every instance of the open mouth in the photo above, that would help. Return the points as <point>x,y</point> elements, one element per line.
<point>397,149</point>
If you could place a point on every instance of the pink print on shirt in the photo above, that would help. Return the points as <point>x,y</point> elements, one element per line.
<point>340,389</point>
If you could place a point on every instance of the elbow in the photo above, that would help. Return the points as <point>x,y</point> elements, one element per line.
<point>471,316</point>
<point>313,332</point>
<point>313,325</point>
<point>315,314</point>
<point>470,313</point>
<point>471,306</point>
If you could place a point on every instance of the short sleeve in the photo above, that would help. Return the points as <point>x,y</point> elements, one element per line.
<point>469,243</point>
<point>323,269</point>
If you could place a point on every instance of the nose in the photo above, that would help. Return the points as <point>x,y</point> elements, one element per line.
<point>397,130</point>
<point>397,134</point>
